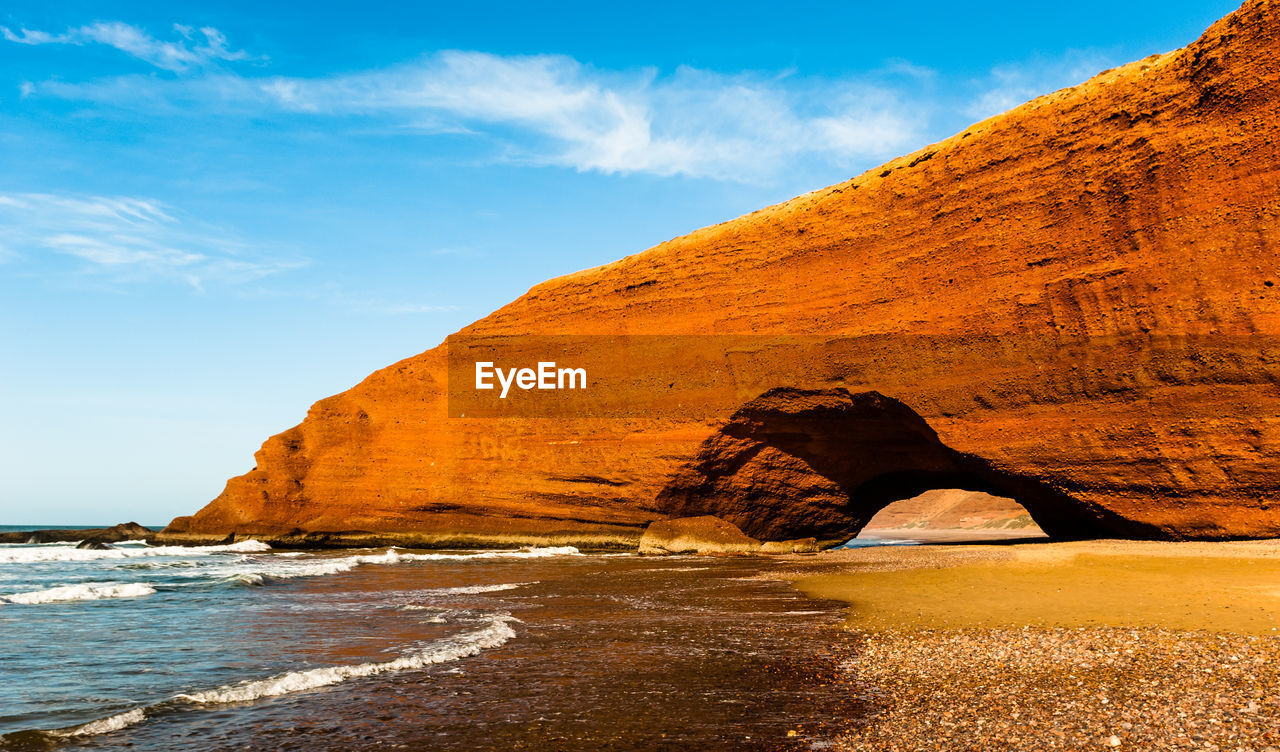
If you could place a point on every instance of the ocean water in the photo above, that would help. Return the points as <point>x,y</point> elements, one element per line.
<point>244,647</point>
<point>869,540</point>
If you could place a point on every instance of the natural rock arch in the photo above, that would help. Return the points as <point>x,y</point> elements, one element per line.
<point>794,463</point>
<point>1094,270</point>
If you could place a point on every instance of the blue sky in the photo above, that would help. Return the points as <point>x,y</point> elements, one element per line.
<point>214,214</point>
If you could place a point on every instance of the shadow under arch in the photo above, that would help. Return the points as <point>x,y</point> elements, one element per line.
<point>795,463</point>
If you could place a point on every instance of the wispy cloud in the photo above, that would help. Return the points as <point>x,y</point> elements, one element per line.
<point>193,48</point>
<point>125,239</point>
<point>553,110</point>
<point>550,110</point>
<point>1008,86</point>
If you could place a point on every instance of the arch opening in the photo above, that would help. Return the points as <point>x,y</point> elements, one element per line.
<point>795,463</point>
<point>950,515</point>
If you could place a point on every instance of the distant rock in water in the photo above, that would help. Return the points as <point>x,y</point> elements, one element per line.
<point>95,544</point>
<point>1075,304</point>
<point>126,531</point>
<point>114,534</point>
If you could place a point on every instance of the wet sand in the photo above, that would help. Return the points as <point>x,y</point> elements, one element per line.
<point>1088,645</point>
<point>1231,587</point>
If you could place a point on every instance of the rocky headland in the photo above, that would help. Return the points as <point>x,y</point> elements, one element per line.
<point>1073,304</point>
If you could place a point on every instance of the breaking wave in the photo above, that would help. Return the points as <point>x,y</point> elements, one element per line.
<point>497,632</point>
<point>70,593</point>
<point>493,634</point>
<point>68,552</point>
<point>524,553</point>
<point>245,569</point>
<point>476,589</point>
<point>283,570</point>
<point>291,568</point>
<point>104,725</point>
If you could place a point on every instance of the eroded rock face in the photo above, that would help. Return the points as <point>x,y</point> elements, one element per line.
<point>1085,245</point>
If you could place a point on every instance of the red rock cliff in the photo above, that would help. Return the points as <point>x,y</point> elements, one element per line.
<point>1137,208</point>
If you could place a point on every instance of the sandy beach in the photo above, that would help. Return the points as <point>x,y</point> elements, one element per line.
<point>1081,645</point>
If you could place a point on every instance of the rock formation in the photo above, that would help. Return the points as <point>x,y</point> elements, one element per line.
<point>696,535</point>
<point>796,462</point>
<point>1072,303</point>
<point>94,544</point>
<point>114,534</point>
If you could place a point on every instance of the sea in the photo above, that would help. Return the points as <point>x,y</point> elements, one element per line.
<point>246,647</point>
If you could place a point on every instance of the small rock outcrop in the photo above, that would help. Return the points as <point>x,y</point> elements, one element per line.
<point>125,531</point>
<point>94,544</point>
<point>696,535</point>
<point>798,546</point>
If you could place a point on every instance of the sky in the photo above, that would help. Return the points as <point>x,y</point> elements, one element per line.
<point>213,214</point>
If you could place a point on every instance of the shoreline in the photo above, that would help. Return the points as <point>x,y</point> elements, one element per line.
<point>921,671</point>
<point>604,648</point>
<point>603,542</point>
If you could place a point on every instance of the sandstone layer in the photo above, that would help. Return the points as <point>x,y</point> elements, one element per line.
<point>1099,265</point>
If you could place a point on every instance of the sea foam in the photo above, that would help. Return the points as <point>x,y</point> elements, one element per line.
<point>104,725</point>
<point>68,552</point>
<point>493,634</point>
<point>476,589</point>
<point>497,632</point>
<point>69,593</point>
<point>289,569</point>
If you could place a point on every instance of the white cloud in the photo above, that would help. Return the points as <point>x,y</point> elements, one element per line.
<point>193,49</point>
<point>126,239</point>
<point>553,110</point>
